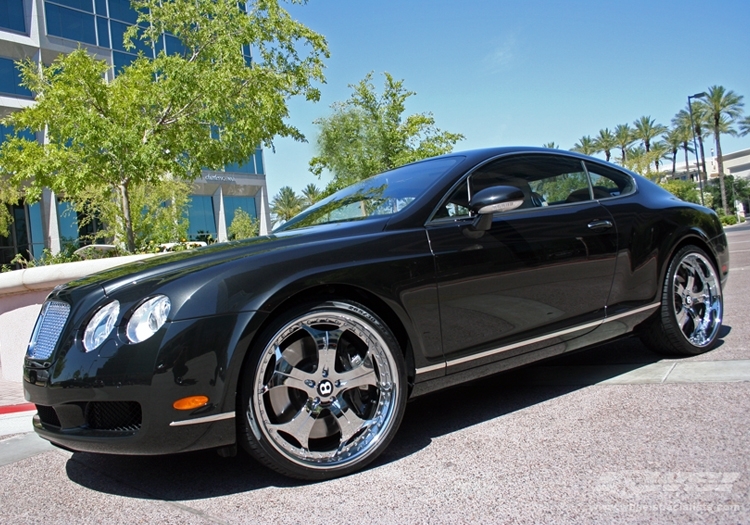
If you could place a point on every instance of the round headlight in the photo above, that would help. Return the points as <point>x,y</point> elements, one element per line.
<point>100,326</point>
<point>148,318</point>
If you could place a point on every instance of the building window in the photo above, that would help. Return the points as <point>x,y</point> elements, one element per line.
<point>253,165</point>
<point>67,222</point>
<point>102,29</point>
<point>71,24</point>
<point>232,203</point>
<point>81,5</point>
<point>259,161</point>
<point>26,234</point>
<point>8,130</point>
<point>36,229</point>
<point>11,15</point>
<point>121,10</point>
<point>201,218</point>
<point>10,79</point>
<point>122,60</point>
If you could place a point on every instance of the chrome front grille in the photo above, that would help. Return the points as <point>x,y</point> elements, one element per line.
<point>48,328</point>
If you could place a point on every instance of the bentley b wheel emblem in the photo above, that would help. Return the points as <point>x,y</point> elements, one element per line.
<point>325,388</point>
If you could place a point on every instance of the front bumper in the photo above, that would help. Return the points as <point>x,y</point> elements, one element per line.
<point>119,400</point>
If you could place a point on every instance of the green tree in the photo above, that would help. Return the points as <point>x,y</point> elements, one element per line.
<point>10,193</point>
<point>311,194</point>
<point>285,205</point>
<point>170,115</point>
<point>721,109</point>
<point>605,141</point>
<point>738,189</point>
<point>624,139</point>
<point>243,226</point>
<point>551,145</point>
<point>682,189</point>
<point>368,134</point>
<point>646,130</point>
<point>585,145</point>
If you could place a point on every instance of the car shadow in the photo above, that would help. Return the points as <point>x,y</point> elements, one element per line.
<point>203,474</point>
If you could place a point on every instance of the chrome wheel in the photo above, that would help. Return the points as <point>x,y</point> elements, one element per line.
<point>689,319</point>
<point>327,394</point>
<point>697,299</point>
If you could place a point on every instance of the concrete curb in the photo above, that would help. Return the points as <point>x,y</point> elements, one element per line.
<point>47,277</point>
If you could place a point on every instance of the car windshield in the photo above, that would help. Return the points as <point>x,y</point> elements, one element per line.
<point>383,194</point>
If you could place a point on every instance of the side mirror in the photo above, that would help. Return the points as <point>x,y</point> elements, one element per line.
<point>494,199</point>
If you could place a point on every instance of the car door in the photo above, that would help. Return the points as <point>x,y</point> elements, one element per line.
<point>541,273</point>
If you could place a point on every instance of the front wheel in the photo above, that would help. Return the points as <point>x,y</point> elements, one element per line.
<point>323,392</point>
<point>691,311</point>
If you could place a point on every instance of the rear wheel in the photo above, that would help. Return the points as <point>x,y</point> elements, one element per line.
<point>691,311</point>
<point>324,391</point>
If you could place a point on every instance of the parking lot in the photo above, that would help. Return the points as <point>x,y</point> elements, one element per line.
<point>614,434</point>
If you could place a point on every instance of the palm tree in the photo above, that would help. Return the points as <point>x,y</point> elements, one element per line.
<point>659,151</point>
<point>606,142</point>
<point>285,205</point>
<point>551,145</point>
<point>681,122</point>
<point>623,138</point>
<point>744,126</point>
<point>646,130</point>
<point>586,145</point>
<point>638,160</point>
<point>674,139</point>
<point>311,194</point>
<point>722,109</point>
<point>699,120</point>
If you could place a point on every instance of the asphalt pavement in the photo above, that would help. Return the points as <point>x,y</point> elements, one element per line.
<point>614,434</point>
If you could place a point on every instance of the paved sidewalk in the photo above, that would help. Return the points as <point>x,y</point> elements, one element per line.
<point>11,393</point>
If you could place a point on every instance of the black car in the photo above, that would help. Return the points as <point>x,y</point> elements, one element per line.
<point>303,346</point>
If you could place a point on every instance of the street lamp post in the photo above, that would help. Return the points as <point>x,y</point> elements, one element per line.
<point>695,142</point>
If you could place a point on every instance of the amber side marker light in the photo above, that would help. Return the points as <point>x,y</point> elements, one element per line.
<point>189,403</point>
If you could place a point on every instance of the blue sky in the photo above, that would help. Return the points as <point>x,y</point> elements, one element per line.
<point>526,72</point>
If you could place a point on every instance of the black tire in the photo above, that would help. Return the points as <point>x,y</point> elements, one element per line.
<point>690,315</point>
<point>314,415</point>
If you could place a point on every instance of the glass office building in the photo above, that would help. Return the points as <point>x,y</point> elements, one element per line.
<point>41,30</point>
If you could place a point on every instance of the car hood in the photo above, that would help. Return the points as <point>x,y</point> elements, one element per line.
<point>179,263</point>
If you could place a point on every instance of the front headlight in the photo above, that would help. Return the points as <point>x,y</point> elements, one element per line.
<point>100,326</point>
<point>148,318</point>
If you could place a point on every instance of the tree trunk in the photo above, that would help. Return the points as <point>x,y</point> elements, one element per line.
<point>125,203</point>
<point>704,173</point>
<point>674,163</point>
<point>686,146</point>
<point>720,161</point>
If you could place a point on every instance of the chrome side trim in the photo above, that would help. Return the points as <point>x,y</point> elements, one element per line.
<point>431,368</point>
<point>205,419</point>
<point>506,348</point>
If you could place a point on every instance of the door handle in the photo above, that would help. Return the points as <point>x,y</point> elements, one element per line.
<point>600,225</point>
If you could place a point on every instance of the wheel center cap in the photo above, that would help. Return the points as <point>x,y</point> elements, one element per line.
<point>325,388</point>
<point>688,300</point>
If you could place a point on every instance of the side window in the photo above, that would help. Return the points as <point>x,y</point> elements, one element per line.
<point>545,180</point>
<point>607,182</point>
<point>456,206</point>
